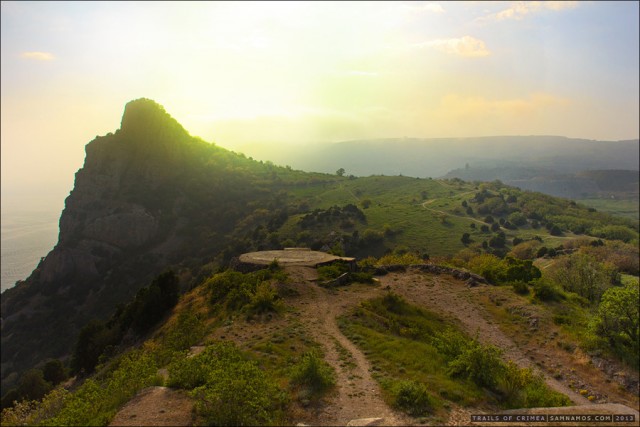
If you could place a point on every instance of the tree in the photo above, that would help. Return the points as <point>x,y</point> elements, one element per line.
<point>555,231</point>
<point>498,240</point>
<point>365,203</point>
<point>54,372</point>
<point>92,341</point>
<point>617,320</point>
<point>340,172</point>
<point>466,238</point>
<point>582,274</point>
<point>32,385</point>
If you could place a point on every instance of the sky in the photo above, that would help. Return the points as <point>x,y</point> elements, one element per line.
<point>260,76</point>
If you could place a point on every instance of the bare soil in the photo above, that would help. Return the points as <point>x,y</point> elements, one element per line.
<point>156,406</point>
<point>357,395</point>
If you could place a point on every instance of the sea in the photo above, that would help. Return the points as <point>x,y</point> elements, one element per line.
<point>27,237</point>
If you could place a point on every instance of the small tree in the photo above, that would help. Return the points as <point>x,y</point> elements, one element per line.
<point>618,321</point>
<point>466,238</point>
<point>54,372</point>
<point>340,172</point>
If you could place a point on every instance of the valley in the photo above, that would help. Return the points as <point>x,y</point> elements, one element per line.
<point>143,293</point>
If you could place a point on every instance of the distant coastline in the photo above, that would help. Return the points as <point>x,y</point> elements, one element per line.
<point>27,236</point>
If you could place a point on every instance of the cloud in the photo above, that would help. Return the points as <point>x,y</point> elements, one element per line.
<point>38,56</point>
<point>518,10</point>
<point>464,46</point>
<point>458,106</point>
<point>433,7</point>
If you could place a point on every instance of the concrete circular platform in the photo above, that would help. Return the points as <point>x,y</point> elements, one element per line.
<point>292,256</point>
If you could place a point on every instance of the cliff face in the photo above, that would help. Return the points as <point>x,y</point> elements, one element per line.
<point>98,223</point>
<point>122,224</point>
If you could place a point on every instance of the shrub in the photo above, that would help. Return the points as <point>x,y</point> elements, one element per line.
<point>412,397</point>
<point>584,275</point>
<point>617,321</point>
<point>238,394</point>
<point>313,373</point>
<point>523,388</point>
<point>450,343</point>
<point>229,390</point>
<point>520,288</point>
<point>54,372</point>
<point>545,291</point>
<point>478,363</point>
<point>402,259</point>
<point>264,300</point>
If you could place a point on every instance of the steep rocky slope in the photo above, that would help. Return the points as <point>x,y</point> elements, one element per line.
<point>149,197</point>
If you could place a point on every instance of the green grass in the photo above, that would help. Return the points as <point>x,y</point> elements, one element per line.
<point>434,228</point>
<point>623,208</point>
<point>397,341</point>
<point>424,363</point>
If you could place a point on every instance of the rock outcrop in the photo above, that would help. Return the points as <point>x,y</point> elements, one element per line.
<point>140,195</point>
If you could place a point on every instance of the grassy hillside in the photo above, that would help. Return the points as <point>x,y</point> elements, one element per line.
<point>245,348</point>
<point>209,205</point>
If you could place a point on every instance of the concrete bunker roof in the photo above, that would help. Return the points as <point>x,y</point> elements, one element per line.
<point>292,256</point>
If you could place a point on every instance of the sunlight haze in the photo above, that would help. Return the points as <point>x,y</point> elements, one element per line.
<point>259,76</point>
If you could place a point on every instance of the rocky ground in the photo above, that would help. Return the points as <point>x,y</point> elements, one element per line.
<point>357,399</point>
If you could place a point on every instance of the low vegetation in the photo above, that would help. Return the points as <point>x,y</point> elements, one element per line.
<point>438,363</point>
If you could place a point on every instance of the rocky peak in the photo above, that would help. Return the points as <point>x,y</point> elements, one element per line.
<point>144,120</point>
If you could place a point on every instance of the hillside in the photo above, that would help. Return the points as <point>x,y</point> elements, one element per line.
<point>149,196</point>
<point>578,169</point>
<point>613,188</point>
<point>435,157</point>
<point>156,213</point>
<point>372,342</point>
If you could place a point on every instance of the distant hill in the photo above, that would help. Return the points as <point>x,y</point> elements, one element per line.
<point>437,156</point>
<point>614,184</point>
<point>150,197</point>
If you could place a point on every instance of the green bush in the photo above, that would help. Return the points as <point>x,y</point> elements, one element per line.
<point>545,291</point>
<point>522,388</point>
<point>478,363</point>
<point>96,402</point>
<point>239,394</point>
<point>264,300</point>
<point>228,388</point>
<point>520,288</point>
<point>450,343</point>
<point>617,322</point>
<point>186,332</point>
<point>412,397</point>
<point>332,271</point>
<point>313,373</point>
<point>186,373</point>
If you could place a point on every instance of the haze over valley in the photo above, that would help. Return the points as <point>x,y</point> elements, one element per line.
<point>319,213</point>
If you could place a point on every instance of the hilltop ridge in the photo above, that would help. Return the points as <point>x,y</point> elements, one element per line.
<point>151,198</point>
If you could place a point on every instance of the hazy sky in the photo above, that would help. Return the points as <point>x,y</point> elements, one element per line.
<point>248,74</point>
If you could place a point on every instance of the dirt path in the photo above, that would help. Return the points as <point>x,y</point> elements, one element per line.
<point>454,298</point>
<point>156,406</point>
<point>358,394</point>
<point>428,202</point>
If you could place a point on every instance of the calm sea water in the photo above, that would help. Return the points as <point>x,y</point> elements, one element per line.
<point>26,237</point>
